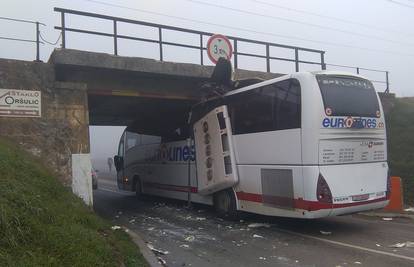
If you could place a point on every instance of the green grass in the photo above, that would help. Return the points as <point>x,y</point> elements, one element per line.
<point>43,224</point>
<point>401,144</point>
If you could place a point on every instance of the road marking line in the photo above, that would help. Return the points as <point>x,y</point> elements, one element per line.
<point>349,245</point>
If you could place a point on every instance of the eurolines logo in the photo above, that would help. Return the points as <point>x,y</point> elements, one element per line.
<point>350,122</point>
<point>174,153</point>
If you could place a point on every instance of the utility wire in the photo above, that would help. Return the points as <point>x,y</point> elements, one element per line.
<point>401,4</point>
<point>369,26</point>
<point>22,20</point>
<point>250,31</point>
<point>300,22</point>
<point>51,43</point>
<point>18,39</point>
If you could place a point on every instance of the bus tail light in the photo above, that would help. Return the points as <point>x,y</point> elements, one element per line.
<point>323,192</point>
<point>388,193</point>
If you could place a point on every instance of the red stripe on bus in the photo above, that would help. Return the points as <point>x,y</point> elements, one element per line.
<point>306,204</point>
<point>170,187</point>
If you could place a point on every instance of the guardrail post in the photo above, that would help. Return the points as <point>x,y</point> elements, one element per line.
<point>37,42</point>
<point>357,70</point>
<point>115,39</point>
<point>387,90</point>
<point>62,22</point>
<point>323,64</point>
<point>267,58</point>
<point>296,59</point>
<point>160,39</point>
<point>235,54</point>
<point>201,50</point>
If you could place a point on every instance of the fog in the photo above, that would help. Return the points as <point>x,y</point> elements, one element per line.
<point>104,144</point>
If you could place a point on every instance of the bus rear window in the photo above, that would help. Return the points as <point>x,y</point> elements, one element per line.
<point>348,96</point>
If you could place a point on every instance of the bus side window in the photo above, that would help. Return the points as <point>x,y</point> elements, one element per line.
<point>288,108</point>
<point>150,139</point>
<point>132,140</point>
<point>268,108</point>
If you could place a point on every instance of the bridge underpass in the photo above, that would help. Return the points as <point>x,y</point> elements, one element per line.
<point>136,92</point>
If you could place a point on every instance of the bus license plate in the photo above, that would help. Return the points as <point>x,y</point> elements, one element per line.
<point>360,197</point>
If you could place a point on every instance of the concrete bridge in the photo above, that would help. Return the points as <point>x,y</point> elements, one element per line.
<point>84,88</point>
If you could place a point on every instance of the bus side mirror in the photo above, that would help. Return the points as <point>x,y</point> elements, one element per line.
<point>119,162</point>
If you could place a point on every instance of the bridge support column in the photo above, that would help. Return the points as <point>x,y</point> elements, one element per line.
<point>61,132</point>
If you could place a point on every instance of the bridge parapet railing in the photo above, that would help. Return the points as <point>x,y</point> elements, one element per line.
<point>237,41</point>
<point>161,29</point>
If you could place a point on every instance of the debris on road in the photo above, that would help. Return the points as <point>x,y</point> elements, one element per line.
<point>282,258</point>
<point>162,261</point>
<point>258,225</point>
<point>387,219</point>
<point>397,245</point>
<point>157,251</point>
<point>126,230</point>
<point>190,238</point>
<point>325,232</point>
<point>407,244</point>
<point>358,262</point>
<point>410,209</point>
<point>257,236</point>
<point>200,219</point>
<point>378,245</point>
<point>115,227</point>
<point>184,246</point>
<point>132,221</point>
<point>151,228</point>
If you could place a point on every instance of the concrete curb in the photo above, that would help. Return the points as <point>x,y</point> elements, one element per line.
<point>145,251</point>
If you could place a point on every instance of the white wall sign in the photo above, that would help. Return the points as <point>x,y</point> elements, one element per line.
<point>219,46</point>
<point>20,103</point>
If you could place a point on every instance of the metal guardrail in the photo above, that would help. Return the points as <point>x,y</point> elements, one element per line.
<point>161,28</point>
<point>358,71</point>
<point>37,41</point>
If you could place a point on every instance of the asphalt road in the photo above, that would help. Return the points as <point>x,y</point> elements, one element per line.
<point>196,237</point>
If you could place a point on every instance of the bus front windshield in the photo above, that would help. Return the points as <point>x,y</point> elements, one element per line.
<point>348,96</point>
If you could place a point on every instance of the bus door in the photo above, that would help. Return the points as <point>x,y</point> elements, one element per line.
<point>119,162</point>
<point>216,165</point>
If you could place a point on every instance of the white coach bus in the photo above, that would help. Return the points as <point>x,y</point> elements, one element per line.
<point>305,145</point>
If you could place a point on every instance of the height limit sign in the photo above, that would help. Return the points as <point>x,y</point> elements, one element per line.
<point>219,46</point>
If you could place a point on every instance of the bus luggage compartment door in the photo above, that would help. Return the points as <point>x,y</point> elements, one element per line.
<point>216,167</point>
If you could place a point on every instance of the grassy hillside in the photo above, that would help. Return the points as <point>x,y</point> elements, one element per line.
<point>401,144</point>
<point>44,224</point>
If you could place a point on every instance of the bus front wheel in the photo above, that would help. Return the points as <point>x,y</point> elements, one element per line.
<point>225,203</point>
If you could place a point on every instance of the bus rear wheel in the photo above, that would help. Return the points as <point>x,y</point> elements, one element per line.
<point>225,203</point>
